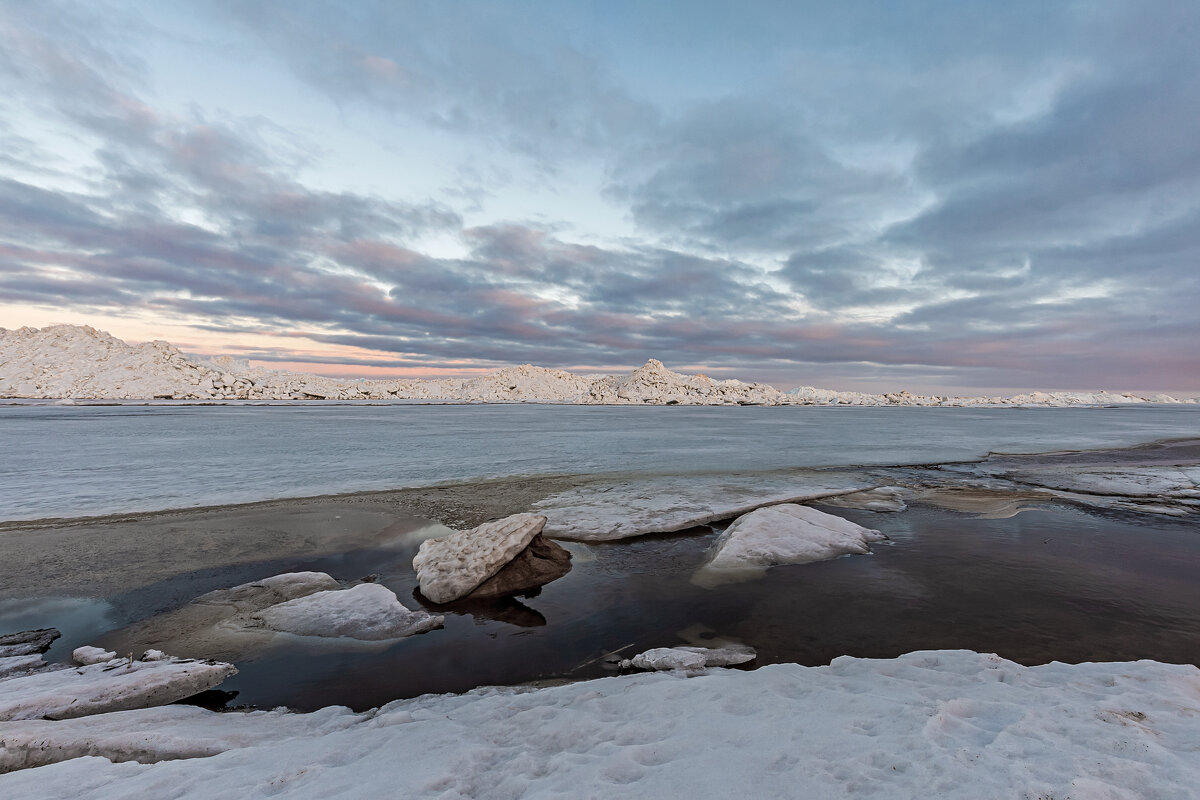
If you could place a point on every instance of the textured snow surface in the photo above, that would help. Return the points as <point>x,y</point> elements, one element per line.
<point>945,724</point>
<point>80,362</point>
<point>367,611</point>
<point>114,686</point>
<point>784,534</point>
<point>620,509</point>
<point>808,395</point>
<point>449,567</point>
<point>17,665</point>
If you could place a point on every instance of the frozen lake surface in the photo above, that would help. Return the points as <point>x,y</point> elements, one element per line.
<point>84,461</point>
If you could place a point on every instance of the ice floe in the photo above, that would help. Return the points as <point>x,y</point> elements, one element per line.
<point>692,658</point>
<point>452,567</point>
<point>246,620</point>
<point>947,724</point>
<point>605,510</point>
<point>20,665</point>
<point>367,611</point>
<point>782,534</point>
<point>24,643</point>
<point>114,686</point>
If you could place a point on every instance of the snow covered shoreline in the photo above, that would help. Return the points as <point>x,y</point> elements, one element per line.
<point>933,723</point>
<point>68,362</point>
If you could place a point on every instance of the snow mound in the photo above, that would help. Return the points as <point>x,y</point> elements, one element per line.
<point>450,567</point>
<point>367,611</point>
<point>653,383</point>
<point>91,655</point>
<point>947,724</point>
<point>782,534</point>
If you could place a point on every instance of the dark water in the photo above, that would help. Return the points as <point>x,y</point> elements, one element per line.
<point>1057,584</point>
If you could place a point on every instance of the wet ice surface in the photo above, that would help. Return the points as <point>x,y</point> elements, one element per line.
<point>121,459</point>
<point>1056,583</point>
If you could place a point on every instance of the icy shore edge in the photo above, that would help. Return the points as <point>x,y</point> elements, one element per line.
<point>951,724</point>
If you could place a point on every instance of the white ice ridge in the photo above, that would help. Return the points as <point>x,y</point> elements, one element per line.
<point>605,510</point>
<point>946,724</point>
<point>783,534</point>
<point>80,362</point>
<point>113,686</point>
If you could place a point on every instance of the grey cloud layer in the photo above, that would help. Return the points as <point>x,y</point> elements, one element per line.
<point>1004,201</point>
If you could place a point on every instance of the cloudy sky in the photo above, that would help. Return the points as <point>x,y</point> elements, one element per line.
<point>927,195</point>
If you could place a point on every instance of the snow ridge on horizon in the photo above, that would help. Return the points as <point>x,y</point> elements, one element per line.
<point>64,362</point>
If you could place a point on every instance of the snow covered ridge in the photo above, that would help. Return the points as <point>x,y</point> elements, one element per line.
<point>80,362</point>
<point>946,724</point>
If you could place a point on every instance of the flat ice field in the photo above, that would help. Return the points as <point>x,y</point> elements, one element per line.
<point>119,459</point>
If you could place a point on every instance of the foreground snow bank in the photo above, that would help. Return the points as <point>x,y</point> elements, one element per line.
<point>948,724</point>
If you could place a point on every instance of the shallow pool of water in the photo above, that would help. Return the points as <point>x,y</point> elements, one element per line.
<point>1056,583</point>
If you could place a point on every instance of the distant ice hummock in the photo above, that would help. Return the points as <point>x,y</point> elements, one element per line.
<point>72,362</point>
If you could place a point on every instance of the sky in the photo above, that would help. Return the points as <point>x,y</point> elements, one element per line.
<point>936,196</point>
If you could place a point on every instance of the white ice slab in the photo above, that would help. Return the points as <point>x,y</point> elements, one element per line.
<point>606,510</point>
<point>949,724</point>
<point>367,611</point>
<point>115,686</point>
<point>692,658</point>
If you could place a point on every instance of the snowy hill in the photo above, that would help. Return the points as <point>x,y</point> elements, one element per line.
<point>80,362</point>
